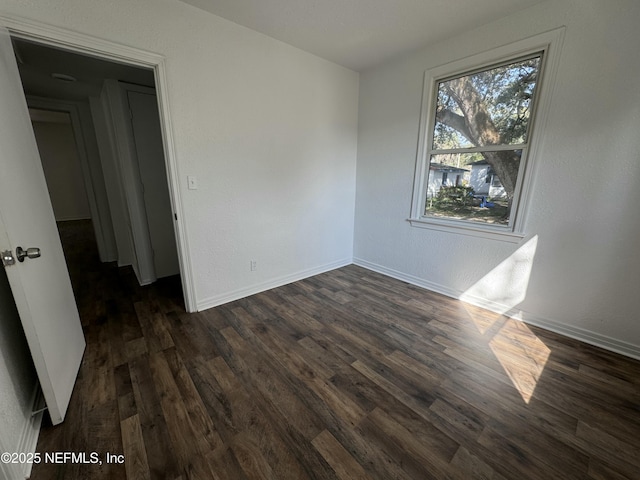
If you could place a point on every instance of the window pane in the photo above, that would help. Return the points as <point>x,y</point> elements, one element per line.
<point>468,186</point>
<point>492,107</point>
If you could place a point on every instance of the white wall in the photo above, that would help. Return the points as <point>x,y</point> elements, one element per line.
<point>585,273</point>
<point>62,170</point>
<point>268,130</point>
<point>17,379</point>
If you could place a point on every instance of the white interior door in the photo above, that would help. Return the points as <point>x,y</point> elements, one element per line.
<point>41,286</point>
<point>147,136</point>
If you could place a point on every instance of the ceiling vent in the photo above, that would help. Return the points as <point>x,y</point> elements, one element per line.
<point>63,77</point>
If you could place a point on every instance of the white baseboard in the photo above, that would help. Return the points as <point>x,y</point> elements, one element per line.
<point>420,282</point>
<point>26,444</point>
<point>29,438</point>
<point>586,336</point>
<point>269,284</point>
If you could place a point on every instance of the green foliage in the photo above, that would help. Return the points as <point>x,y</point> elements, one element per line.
<point>504,95</point>
<point>452,197</point>
<point>466,207</point>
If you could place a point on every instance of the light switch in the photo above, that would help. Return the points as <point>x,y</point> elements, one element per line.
<point>192,182</point>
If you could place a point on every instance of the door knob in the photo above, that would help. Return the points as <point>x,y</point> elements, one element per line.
<point>29,252</point>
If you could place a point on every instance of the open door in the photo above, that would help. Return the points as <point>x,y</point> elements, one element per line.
<point>39,279</point>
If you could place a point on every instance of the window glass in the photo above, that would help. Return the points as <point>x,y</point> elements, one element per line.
<point>480,132</point>
<point>491,107</point>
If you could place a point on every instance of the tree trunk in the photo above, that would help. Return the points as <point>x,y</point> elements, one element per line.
<point>505,164</point>
<point>476,125</point>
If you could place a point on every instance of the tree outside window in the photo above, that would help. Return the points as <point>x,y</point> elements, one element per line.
<point>477,125</point>
<point>481,124</point>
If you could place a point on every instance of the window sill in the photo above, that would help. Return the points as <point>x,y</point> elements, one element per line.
<point>502,234</point>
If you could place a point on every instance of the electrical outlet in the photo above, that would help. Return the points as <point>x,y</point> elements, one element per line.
<point>253,265</point>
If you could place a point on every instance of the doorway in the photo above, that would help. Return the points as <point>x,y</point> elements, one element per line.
<point>81,89</point>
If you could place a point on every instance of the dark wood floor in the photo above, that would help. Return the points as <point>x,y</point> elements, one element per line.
<point>346,375</point>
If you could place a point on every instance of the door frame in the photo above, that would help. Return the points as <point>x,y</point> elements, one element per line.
<point>96,47</point>
<point>148,246</point>
<point>123,143</point>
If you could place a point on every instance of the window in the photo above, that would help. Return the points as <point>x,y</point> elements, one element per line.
<point>477,122</point>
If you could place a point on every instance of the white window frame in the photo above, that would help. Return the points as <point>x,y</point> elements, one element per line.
<point>549,44</point>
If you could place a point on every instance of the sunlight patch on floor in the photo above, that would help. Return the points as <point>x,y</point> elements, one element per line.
<point>522,355</point>
<point>484,319</point>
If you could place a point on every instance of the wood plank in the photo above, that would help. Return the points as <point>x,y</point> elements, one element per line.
<point>345,466</point>
<point>124,389</point>
<point>184,439</point>
<point>133,444</point>
<point>199,420</point>
<point>160,452</point>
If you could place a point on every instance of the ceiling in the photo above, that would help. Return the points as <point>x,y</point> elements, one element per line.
<point>359,34</point>
<point>37,63</point>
